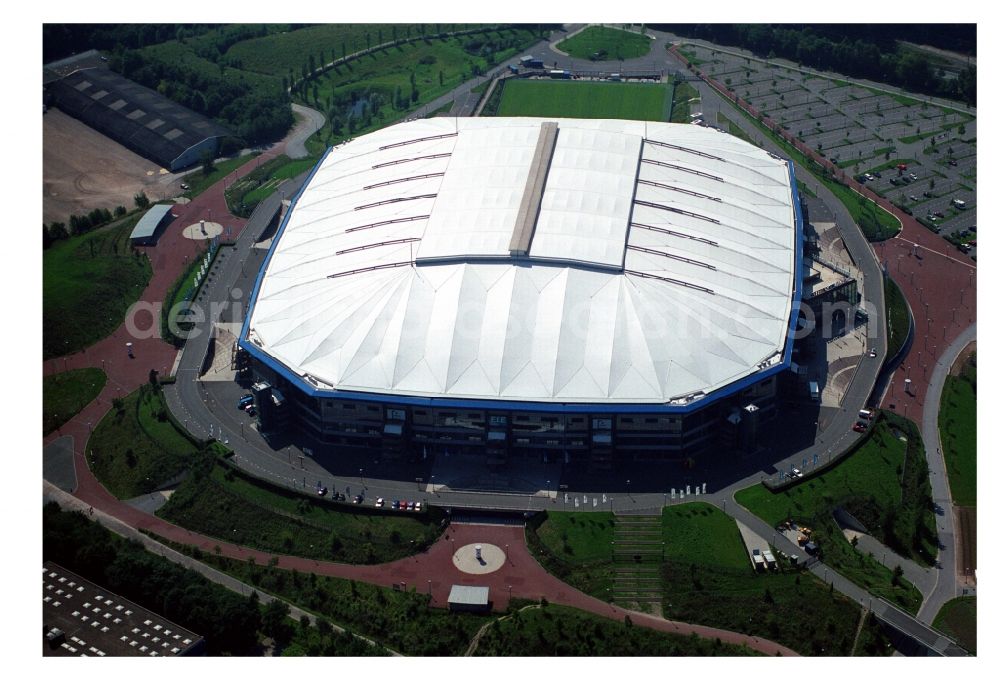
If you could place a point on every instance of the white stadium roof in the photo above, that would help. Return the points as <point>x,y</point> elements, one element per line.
<point>522,259</point>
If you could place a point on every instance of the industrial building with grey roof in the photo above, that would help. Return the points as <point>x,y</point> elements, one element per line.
<point>137,117</point>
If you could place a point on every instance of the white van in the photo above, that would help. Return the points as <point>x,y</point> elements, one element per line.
<point>865,414</point>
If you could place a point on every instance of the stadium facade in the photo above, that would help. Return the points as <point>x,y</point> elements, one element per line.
<point>567,290</point>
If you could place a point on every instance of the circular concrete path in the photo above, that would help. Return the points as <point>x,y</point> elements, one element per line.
<point>206,230</point>
<point>466,561</point>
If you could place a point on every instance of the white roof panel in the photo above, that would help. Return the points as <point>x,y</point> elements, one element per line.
<point>661,263</point>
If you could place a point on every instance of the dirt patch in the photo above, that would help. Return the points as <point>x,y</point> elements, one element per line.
<point>82,170</point>
<point>966,535</point>
<point>963,356</point>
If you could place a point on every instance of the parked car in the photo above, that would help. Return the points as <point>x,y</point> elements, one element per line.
<point>251,411</point>
<point>872,353</point>
<point>395,504</point>
<point>410,506</point>
<point>379,502</point>
<point>402,505</point>
<point>321,491</point>
<point>245,401</point>
<point>185,186</point>
<point>358,499</point>
<point>860,427</point>
<point>416,507</point>
<point>796,472</point>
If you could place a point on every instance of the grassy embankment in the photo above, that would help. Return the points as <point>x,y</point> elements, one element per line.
<point>897,318</point>
<point>602,43</point>
<point>66,394</point>
<point>88,284</point>
<point>884,484</point>
<point>138,447</point>
<point>957,426</point>
<point>707,578</point>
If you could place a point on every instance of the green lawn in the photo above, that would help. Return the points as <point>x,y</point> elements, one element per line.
<point>88,284</point>
<point>884,484</point>
<point>601,43</point>
<point>616,100</point>
<point>232,506</point>
<point>897,318</point>
<point>551,631</point>
<point>957,618</point>
<point>697,533</point>
<point>136,447</point>
<point>576,547</point>
<point>66,394</point>
<point>957,426</point>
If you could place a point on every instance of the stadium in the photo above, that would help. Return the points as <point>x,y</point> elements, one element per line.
<point>565,290</point>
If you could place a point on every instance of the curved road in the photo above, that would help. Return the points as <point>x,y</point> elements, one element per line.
<point>312,121</point>
<point>946,586</point>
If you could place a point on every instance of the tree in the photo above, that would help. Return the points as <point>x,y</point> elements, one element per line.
<point>140,199</point>
<point>273,622</point>
<point>46,237</point>
<point>207,163</point>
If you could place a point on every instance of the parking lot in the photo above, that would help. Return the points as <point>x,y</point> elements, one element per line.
<point>866,131</point>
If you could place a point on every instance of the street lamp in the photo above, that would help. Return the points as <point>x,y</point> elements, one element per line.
<point>361,471</point>
<point>628,487</point>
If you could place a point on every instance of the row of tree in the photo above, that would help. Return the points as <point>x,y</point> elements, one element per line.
<point>256,115</point>
<point>84,223</point>
<point>851,52</point>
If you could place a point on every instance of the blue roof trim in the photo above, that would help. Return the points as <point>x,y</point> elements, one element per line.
<point>538,407</point>
<point>244,343</point>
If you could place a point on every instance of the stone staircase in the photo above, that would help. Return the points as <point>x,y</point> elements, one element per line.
<point>637,555</point>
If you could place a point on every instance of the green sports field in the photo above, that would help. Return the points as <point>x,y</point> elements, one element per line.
<point>616,100</point>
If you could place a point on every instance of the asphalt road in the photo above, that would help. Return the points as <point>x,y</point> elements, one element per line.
<point>312,121</point>
<point>946,586</point>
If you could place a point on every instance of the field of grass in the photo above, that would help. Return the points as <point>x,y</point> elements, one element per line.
<point>136,447</point>
<point>559,631</point>
<point>600,43</point>
<point>618,100</point>
<point>88,284</point>
<point>957,426</point>
<point>897,318</point>
<point>707,578</point>
<point>957,618</point>
<point>884,484</point>
<point>681,110</point>
<point>229,505</point>
<point>575,547</point>
<point>66,394</point>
